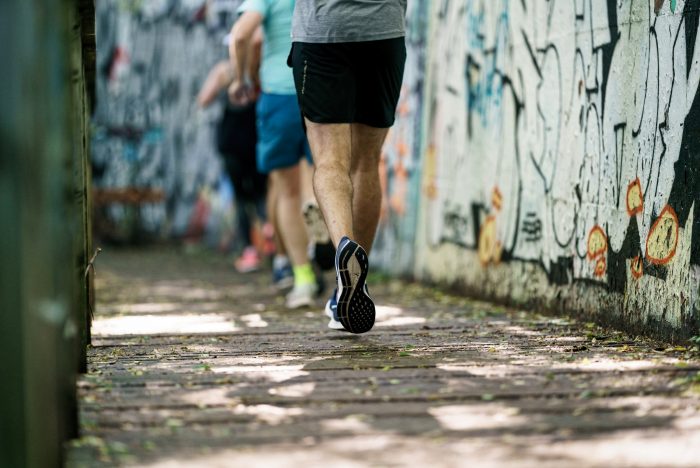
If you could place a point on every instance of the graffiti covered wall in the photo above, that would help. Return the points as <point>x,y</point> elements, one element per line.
<point>560,157</point>
<point>400,165</point>
<point>153,57</point>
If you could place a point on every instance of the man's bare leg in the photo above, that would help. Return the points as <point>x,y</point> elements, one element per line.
<point>330,146</point>
<point>364,172</point>
<point>288,211</point>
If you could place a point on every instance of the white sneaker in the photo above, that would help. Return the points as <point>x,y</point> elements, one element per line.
<point>331,305</point>
<point>301,296</point>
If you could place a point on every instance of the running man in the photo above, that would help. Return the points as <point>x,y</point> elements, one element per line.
<point>348,60</point>
<point>281,139</point>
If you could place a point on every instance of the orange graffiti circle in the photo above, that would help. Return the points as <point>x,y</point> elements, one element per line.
<point>600,266</point>
<point>663,237</point>
<point>635,202</point>
<point>597,242</point>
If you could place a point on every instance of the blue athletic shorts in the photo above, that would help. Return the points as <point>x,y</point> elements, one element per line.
<point>281,138</point>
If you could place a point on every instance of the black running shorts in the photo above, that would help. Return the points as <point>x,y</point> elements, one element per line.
<point>349,82</point>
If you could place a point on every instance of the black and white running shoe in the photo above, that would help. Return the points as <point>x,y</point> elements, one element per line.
<point>355,309</point>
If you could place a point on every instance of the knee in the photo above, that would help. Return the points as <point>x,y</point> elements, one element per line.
<point>331,168</point>
<point>368,165</point>
<point>328,176</point>
<point>365,159</point>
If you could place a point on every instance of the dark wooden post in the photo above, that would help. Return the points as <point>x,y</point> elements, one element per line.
<point>44,226</point>
<point>83,78</point>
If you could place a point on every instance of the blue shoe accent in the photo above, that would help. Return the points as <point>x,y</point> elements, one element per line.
<point>355,309</point>
<point>332,312</point>
<point>283,277</point>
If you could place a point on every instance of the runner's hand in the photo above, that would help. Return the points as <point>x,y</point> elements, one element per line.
<point>239,93</point>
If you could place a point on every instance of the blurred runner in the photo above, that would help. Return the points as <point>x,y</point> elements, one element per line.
<point>236,139</point>
<point>282,142</point>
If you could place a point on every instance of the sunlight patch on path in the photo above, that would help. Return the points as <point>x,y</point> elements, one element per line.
<point>388,316</point>
<point>163,324</point>
<point>474,417</point>
<point>273,373</point>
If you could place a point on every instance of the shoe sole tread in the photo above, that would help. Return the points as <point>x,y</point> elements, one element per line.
<point>355,310</point>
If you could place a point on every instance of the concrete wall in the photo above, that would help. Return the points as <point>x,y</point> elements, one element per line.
<point>152,58</point>
<point>558,146</point>
<point>394,246</point>
<point>546,152</point>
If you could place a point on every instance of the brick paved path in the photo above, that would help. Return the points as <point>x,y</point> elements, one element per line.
<point>195,365</point>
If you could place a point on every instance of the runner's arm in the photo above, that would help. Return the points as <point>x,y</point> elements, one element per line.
<point>239,51</point>
<point>220,77</point>
<point>255,58</point>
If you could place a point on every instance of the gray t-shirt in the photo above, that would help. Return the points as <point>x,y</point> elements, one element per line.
<point>325,21</point>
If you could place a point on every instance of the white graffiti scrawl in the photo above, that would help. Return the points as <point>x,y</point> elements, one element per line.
<point>557,129</point>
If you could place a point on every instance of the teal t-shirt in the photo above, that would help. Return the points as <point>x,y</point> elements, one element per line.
<point>275,76</point>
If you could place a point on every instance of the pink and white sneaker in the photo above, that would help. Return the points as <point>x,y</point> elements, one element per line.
<point>249,261</point>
